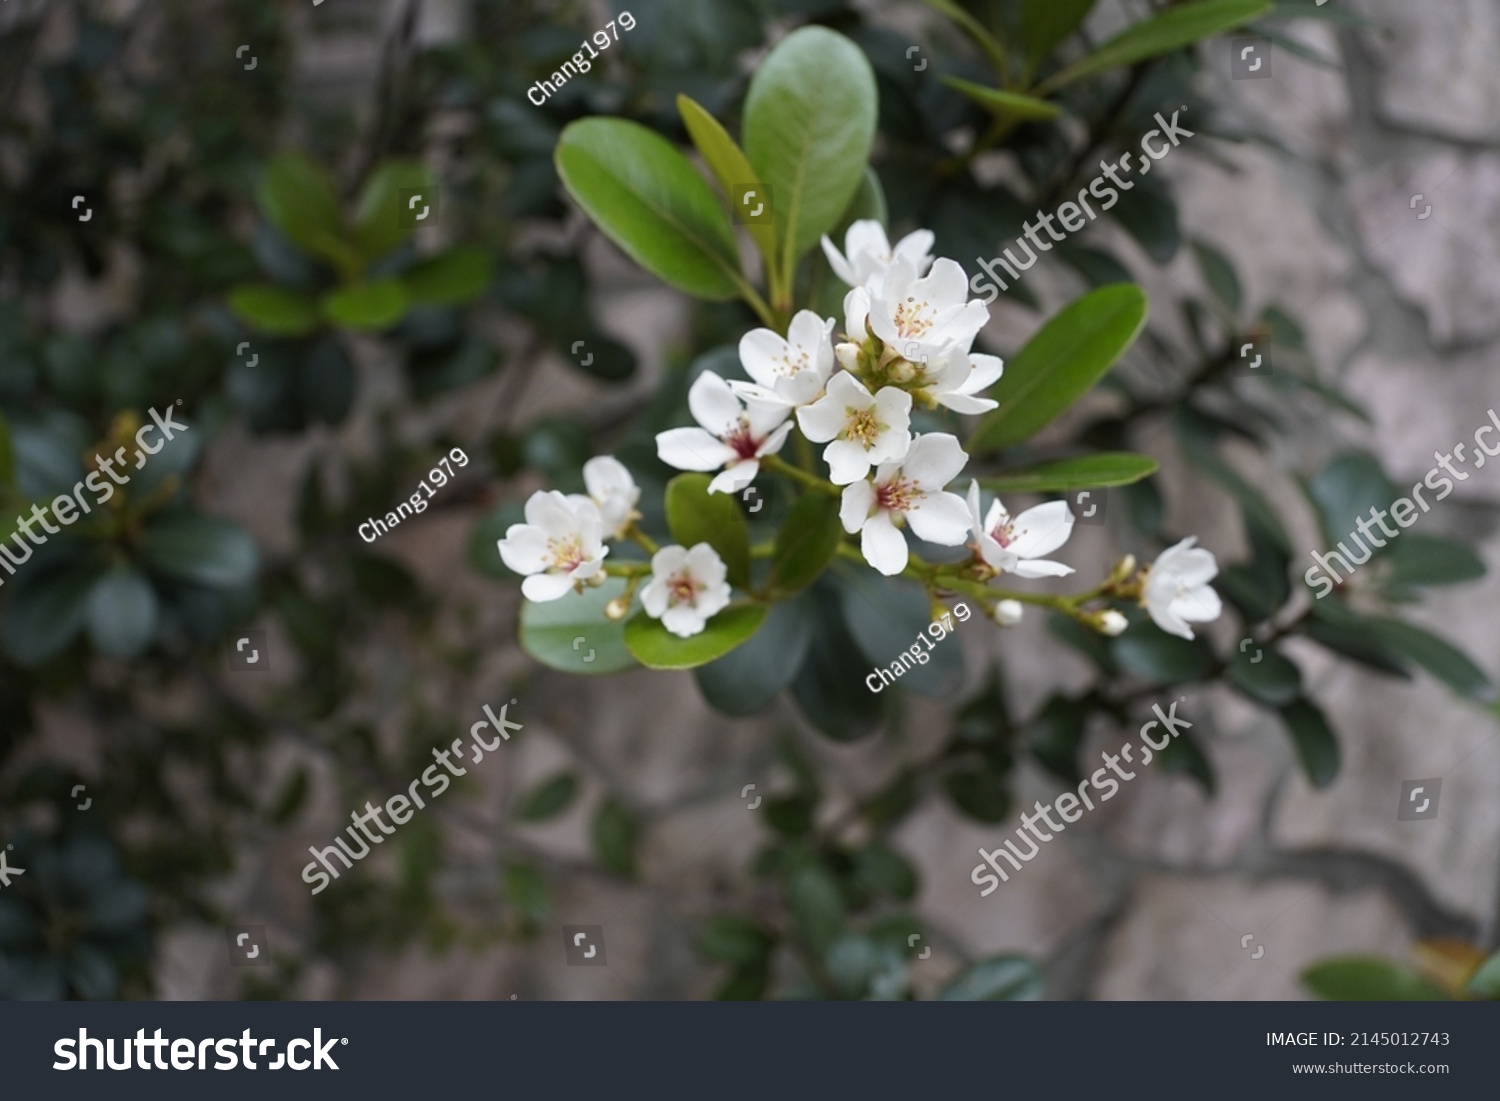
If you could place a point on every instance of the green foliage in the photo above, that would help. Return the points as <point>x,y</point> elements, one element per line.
<point>1367,979</point>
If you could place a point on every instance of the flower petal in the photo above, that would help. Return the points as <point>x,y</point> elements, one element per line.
<point>883,545</point>
<point>761,353</point>
<point>847,460</point>
<point>1039,567</point>
<point>542,587</point>
<point>524,549</point>
<point>934,460</point>
<point>736,478</point>
<point>713,404</point>
<point>855,505</point>
<point>1041,530</point>
<point>823,419</point>
<point>692,449</point>
<point>941,518</point>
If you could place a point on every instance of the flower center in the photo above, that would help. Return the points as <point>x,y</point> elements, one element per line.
<point>1004,532</point>
<point>745,445</point>
<point>566,554</point>
<point>788,366</point>
<point>683,588</point>
<point>913,318</point>
<point>861,425</point>
<point>898,495</point>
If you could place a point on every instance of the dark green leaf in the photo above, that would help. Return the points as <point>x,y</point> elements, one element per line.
<point>817,905</point>
<point>1353,640</point>
<point>1055,734</point>
<point>830,687</point>
<point>526,889</point>
<point>1265,675</point>
<point>732,938</point>
<point>384,218</point>
<point>298,197</point>
<point>1432,560</point>
<point>1444,661</point>
<point>1046,23</point>
<point>45,612</point>
<point>459,275</point>
<point>736,176</point>
<point>887,871</point>
<point>1151,654</point>
<point>1150,216</point>
<point>122,612</point>
<point>1004,105</point>
<point>647,198</point>
<point>886,616</point>
<point>549,798</point>
<point>1220,274</point>
<point>698,516</point>
<point>203,549</point>
<point>1109,468</point>
<point>981,793</point>
<point>1368,979</point>
<point>1317,747</point>
<point>1060,364</point>
<point>366,306</point>
<point>1345,490</point>
<point>614,838</point>
<point>657,648</point>
<point>274,310</point>
<point>570,634</point>
<point>806,543</point>
<point>7,456</point>
<point>746,680</point>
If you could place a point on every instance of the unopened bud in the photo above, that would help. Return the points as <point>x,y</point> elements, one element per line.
<point>1008,613</point>
<point>1112,623</point>
<point>616,608</point>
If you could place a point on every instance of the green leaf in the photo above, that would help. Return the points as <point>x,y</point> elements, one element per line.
<point>734,172</point>
<point>731,938</point>
<point>657,648</point>
<point>1369,979</point>
<point>614,838</point>
<point>888,617</point>
<point>1348,488</point>
<point>1353,640</point>
<point>459,275</point>
<point>981,793</point>
<point>830,688</point>
<point>886,870</point>
<point>1150,216</point>
<point>1171,30</point>
<point>647,198</point>
<point>1004,105</point>
<point>1197,438</point>
<point>981,35</point>
<point>1431,560</point>
<point>808,539</point>
<point>1486,981</point>
<point>549,798</point>
<point>1444,661</point>
<point>300,200</point>
<point>1055,734</point>
<point>571,635</point>
<point>695,516</point>
<point>45,612</point>
<point>1151,654</point>
<point>122,612</point>
<point>997,979</point>
<point>1046,23</point>
<point>1108,468</point>
<point>1220,274</point>
<point>746,680</point>
<point>366,306</point>
<point>1266,676</point>
<point>1061,363</point>
<point>382,219</point>
<point>7,456</point>
<point>817,905</point>
<point>809,124</point>
<point>526,889</point>
<point>1317,747</point>
<point>202,549</point>
<point>274,310</point>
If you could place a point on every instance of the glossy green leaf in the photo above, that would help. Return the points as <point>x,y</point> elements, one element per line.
<point>817,905</point>
<point>1060,364</point>
<point>202,549</point>
<point>122,612</point>
<point>366,306</point>
<point>695,516</point>
<point>1317,746</point>
<point>809,124</point>
<point>1265,675</point>
<point>746,680</point>
<point>647,198</point>
<point>274,310</point>
<point>1443,660</point>
<point>977,31</point>
<point>300,200</point>
<point>1417,559</point>
<point>571,635</point>
<point>830,688</point>
<point>1485,983</point>
<point>614,838</point>
<point>997,979</point>
<point>1354,641</point>
<point>806,543</point>
<point>459,275</point>
<point>888,618</point>
<point>45,612</point>
<point>1346,490</point>
<point>1046,23</point>
<point>383,220</point>
<point>657,648</point>
<point>1004,105</point>
<point>736,176</point>
<point>549,798</point>
<point>1108,468</point>
<point>1171,30</point>
<point>1150,653</point>
<point>1369,979</point>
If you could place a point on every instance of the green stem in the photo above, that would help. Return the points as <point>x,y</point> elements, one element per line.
<point>627,569</point>
<point>811,481</point>
<point>646,542</point>
<point>757,303</point>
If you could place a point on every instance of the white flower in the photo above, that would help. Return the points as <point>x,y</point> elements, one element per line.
<point>868,254</point>
<point>1017,545</point>
<point>614,491</point>
<point>866,429</point>
<point>919,319</point>
<point>1177,591</point>
<point>1008,613</point>
<point>735,434</point>
<point>686,587</point>
<point>960,377</point>
<point>911,489</point>
<point>559,547</point>
<point>1113,623</point>
<point>793,370</point>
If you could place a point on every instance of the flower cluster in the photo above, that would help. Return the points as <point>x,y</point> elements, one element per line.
<point>907,343</point>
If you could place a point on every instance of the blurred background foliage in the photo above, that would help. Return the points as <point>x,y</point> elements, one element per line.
<point>245,256</point>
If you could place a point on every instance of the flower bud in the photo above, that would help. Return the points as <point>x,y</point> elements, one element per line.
<point>1008,613</point>
<point>616,608</point>
<point>1112,623</point>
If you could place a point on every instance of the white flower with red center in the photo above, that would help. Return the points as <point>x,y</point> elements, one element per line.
<point>919,320</point>
<point>614,491</point>
<point>793,370</point>
<point>868,255</point>
<point>686,588</point>
<point>1177,590</point>
<point>736,433</point>
<point>1016,544</point>
<point>910,491</point>
<point>560,547</point>
<point>959,376</point>
<point>865,429</point>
